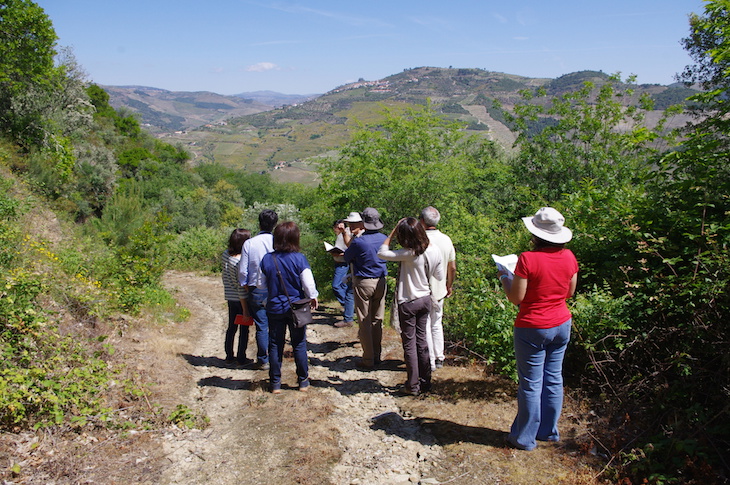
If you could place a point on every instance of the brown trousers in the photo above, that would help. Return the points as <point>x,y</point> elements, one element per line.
<point>370,308</point>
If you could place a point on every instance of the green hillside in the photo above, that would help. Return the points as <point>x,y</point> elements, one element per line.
<point>285,141</point>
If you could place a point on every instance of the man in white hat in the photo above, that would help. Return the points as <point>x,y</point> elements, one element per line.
<point>369,286</point>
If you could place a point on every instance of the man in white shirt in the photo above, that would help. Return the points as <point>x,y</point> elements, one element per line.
<point>440,289</point>
<point>250,276</point>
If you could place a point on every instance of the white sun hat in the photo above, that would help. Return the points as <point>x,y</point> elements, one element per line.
<point>547,224</point>
<point>354,217</point>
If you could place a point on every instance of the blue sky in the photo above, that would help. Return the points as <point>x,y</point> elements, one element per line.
<point>235,46</point>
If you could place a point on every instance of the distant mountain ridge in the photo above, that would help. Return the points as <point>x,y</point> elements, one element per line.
<point>272,98</point>
<point>160,110</point>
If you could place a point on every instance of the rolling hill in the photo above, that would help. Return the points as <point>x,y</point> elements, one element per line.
<point>162,111</point>
<point>287,139</point>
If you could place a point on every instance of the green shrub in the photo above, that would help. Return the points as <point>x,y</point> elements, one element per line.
<point>199,248</point>
<point>479,314</point>
<point>45,378</point>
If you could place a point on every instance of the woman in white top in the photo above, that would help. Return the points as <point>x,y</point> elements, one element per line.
<point>418,262</point>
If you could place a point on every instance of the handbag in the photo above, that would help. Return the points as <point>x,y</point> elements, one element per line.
<point>300,310</point>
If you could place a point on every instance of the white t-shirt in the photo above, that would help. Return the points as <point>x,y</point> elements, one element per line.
<point>448,253</point>
<point>415,271</point>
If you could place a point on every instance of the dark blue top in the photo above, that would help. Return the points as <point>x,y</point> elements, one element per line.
<point>363,254</point>
<point>291,266</point>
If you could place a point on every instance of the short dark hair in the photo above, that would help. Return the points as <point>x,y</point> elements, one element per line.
<point>411,235</point>
<point>267,220</point>
<point>541,243</point>
<point>286,237</point>
<point>236,240</point>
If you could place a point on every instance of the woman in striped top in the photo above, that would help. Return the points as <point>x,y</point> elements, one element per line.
<point>235,294</point>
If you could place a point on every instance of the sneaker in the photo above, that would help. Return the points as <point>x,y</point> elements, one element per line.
<point>403,392</point>
<point>343,324</point>
<point>262,366</point>
<point>439,363</point>
<point>245,362</point>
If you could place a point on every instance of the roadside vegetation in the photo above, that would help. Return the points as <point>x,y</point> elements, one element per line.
<point>648,206</point>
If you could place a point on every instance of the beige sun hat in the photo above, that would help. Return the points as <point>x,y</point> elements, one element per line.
<point>547,224</point>
<point>354,217</point>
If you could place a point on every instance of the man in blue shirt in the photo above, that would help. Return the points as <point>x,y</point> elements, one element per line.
<point>369,286</point>
<point>249,275</point>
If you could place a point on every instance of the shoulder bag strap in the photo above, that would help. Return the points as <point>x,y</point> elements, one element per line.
<point>281,278</point>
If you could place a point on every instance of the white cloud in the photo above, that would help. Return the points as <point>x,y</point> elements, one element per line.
<point>262,67</point>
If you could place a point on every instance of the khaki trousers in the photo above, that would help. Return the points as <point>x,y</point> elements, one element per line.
<point>370,309</point>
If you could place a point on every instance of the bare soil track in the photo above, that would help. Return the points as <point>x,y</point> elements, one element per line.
<point>350,428</point>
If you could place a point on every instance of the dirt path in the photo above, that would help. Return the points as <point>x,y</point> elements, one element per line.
<point>350,428</point>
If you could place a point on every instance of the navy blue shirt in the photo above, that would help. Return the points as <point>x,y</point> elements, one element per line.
<point>363,254</point>
<point>291,266</point>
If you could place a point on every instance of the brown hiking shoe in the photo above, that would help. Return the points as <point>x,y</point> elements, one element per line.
<point>343,324</point>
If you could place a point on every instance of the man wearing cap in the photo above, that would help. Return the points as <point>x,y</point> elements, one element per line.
<point>341,284</point>
<point>440,289</point>
<point>249,275</point>
<point>369,286</point>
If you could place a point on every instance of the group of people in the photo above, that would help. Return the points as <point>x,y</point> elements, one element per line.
<point>427,267</point>
<point>264,274</point>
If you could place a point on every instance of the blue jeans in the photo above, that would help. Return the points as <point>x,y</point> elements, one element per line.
<point>539,353</point>
<point>278,323</point>
<point>257,309</point>
<point>343,291</point>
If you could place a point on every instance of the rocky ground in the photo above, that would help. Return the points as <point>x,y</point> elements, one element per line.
<point>351,428</point>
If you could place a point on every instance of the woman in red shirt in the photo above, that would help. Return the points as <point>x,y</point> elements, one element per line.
<point>543,280</point>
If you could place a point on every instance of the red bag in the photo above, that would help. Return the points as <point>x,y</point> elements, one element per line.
<point>243,320</point>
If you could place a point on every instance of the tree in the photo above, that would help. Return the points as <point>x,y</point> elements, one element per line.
<point>27,50</point>
<point>596,133</point>
<point>668,358</point>
<point>407,162</point>
<point>709,46</point>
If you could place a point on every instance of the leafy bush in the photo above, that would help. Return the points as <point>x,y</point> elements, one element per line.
<point>479,315</point>
<point>198,248</point>
<point>45,378</point>
<point>9,233</point>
